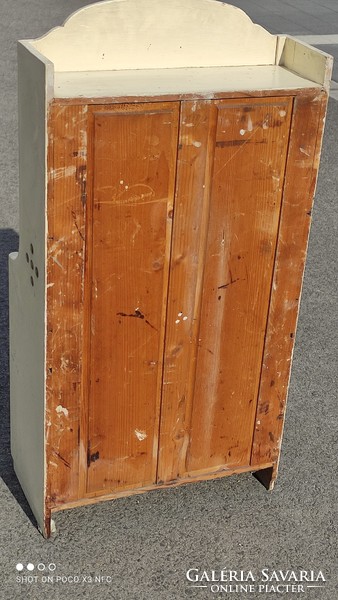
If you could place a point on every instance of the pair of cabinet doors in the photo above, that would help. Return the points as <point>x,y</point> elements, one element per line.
<point>180,224</point>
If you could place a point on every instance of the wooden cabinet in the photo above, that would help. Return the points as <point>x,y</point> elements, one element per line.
<point>155,295</point>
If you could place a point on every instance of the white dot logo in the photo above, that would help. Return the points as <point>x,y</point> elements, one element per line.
<point>40,567</point>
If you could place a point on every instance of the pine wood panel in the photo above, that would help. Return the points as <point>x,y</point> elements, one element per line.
<point>65,272</point>
<point>238,156</point>
<point>250,153</point>
<point>134,166</point>
<point>300,181</point>
<point>97,497</point>
<point>195,160</point>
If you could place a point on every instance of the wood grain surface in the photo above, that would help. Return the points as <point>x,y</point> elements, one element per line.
<point>195,162</point>
<point>250,153</point>
<point>177,236</point>
<point>300,181</point>
<point>134,168</point>
<point>65,299</point>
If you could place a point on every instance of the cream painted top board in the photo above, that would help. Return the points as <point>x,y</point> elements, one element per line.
<point>148,34</point>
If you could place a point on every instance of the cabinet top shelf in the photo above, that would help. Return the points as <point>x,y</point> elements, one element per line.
<point>135,48</point>
<point>202,82</point>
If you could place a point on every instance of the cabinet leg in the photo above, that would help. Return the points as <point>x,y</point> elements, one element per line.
<point>267,477</point>
<point>48,525</point>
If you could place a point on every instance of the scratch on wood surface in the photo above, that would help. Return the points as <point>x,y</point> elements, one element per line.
<point>76,225</point>
<point>54,258</point>
<point>138,315</point>
<point>65,462</point>
<point>136,231</point>
<point>133,201</point>
<point>225,285</point>
<point>62,172</point>
<point>64,364</point>
<point>137,349</point>
<point>56,244</point>
<point>238,150</point>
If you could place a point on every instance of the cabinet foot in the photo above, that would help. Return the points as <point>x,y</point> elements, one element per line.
<point>48,526</point>
<point>267,477</point>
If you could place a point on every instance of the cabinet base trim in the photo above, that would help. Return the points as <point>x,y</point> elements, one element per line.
<point>112,496</point>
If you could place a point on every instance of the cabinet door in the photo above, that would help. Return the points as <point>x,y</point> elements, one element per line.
<point>132,174</point>
<point>229,188</point>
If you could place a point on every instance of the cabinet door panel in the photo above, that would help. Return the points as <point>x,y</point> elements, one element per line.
<point>208,414</point>
<point>249,163</point>
<point>195,160</point>
<point>133,173</point>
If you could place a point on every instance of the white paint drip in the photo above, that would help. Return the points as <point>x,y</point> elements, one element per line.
<point>304,151</point>
<point>282,113</point>
<point>62,410</point>
<point>242,131</point>
<point>197,144</point>
<point>141,435</point>
<point>184,318</point>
